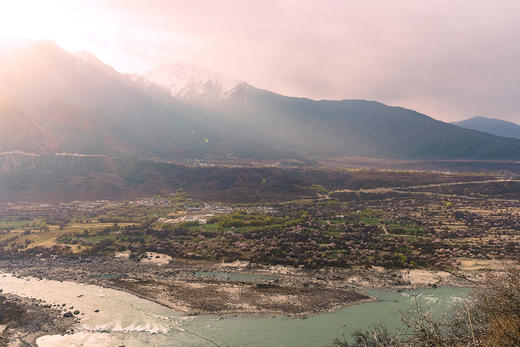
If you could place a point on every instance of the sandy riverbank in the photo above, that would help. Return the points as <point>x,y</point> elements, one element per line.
<point>230,288</point>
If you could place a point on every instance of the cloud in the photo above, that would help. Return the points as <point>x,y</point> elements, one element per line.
<point>448,58</point>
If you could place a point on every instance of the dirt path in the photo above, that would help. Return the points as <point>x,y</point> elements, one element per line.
<point>401,188</point>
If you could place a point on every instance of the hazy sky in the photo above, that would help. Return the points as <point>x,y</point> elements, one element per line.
<point>450,59</point>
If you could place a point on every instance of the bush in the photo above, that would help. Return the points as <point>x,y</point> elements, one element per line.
<point>489,317</point>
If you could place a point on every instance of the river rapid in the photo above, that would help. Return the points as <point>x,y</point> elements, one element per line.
<point>126,320</point>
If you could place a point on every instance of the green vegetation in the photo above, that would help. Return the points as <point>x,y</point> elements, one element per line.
<point>22,225</point>
<point>240,219</point>
<point>404,228</point>
<point>397,231</point>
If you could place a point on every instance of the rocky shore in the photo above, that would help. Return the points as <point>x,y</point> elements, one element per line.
<point>23,320</point>
<point>195,288</point>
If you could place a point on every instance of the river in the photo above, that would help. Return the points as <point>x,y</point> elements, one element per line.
<point>124,319</point>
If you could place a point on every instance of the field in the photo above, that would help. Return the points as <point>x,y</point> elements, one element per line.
<point>416,222</point>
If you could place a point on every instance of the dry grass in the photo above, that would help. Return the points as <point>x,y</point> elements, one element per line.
<point>48,238</point>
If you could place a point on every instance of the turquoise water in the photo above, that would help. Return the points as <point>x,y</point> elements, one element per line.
<point>124,319</point>
<point>322,329</point>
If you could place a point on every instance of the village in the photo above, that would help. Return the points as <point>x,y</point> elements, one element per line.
<point>292,257</point>
<point>392,228</point>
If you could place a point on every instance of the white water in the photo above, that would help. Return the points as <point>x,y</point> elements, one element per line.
<point>125,319</point>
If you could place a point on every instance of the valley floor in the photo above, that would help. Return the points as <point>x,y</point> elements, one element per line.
<point>293,258</point>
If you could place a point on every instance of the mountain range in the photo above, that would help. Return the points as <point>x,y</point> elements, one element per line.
<point>493,126</point>
<point>53,101</point>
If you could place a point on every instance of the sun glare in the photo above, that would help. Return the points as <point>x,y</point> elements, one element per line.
<point>73,24</point>
<point>37,20</point>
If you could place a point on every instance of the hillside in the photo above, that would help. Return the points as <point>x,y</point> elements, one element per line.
<point>20,133</point>
<point>328,128</point>
<point>492,126</point>
<point>57,178</point>
<point>363,128</point>
<point>74,103</point>
<point>89,107</point>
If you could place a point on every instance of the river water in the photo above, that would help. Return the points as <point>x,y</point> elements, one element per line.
<point>124,319</point>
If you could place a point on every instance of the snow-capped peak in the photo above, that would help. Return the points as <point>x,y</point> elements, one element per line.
<point>87,58</point>
<point>190,83</point>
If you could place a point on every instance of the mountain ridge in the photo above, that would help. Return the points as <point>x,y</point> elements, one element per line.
<point>88,107</point>
<point>494,126</point>
<point>189,83</point>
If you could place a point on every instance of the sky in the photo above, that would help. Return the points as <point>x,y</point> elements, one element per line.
<point>450,59</point>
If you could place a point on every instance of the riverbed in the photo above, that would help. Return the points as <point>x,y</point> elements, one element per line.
<point>124,319</point>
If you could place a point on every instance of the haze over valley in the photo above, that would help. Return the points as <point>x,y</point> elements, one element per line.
<point>278,173</point>
<point>74,103</point>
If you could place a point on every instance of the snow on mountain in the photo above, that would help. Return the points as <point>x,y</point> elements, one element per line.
<point>87,58</point>
<point>189,83</point>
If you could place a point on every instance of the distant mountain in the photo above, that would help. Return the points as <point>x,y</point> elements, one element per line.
<point>88,107</point>
<point>20,133</point>
<point>190,83</point>
<point>74,103</point>
<point>493,126</point>
<point>329,128</point>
